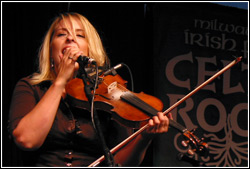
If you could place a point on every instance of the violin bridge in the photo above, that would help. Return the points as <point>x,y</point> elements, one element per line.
<point>112,87</point>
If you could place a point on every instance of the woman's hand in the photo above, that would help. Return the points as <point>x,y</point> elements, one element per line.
<point>68,66</point>
<point>158,124</point>
<point>134,152</point>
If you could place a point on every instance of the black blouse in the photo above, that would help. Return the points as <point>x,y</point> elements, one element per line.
<point>72,140</point>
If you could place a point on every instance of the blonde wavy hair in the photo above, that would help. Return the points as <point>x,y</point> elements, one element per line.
<point>96,49</point>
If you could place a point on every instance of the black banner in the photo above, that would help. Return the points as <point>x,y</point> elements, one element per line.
<point>193,41</point>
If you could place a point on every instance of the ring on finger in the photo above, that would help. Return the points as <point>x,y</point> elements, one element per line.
<point>72,59</point>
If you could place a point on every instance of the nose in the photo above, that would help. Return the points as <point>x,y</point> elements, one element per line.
<point>70,38</point>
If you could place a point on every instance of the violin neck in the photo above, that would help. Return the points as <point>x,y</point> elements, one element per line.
<point>132,99</point>
<point>177,126</point>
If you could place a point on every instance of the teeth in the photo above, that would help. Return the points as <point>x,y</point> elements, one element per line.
<point>63,51</point>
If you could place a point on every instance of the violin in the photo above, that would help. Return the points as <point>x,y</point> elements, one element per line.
<point>130,109</point>
<point>134,109</point>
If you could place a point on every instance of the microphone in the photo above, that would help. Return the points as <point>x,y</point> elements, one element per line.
<point>112,70</point>
<point>84,60</point>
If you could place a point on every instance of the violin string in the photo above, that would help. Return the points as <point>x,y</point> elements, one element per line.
<point>121,86</point>
<point>137,101</point>
<point>140,103</point>
<point>130,97</point>
<point>153,111</point>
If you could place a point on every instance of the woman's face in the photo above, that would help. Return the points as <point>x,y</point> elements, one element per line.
<point>62,39</point>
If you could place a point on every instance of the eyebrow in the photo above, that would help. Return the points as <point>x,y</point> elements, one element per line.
<point>79,30</point>
<point>64,29</point>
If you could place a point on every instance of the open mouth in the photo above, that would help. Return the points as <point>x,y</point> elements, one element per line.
<point>63,51</point>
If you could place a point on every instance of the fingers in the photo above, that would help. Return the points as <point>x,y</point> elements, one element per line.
<point>170,116</point>
<point>158,124</point>
<point>71,54</point>
<point>68,66</point>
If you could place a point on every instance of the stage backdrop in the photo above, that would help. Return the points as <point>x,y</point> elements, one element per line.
<point>171,48</point>
<point>193,41</point>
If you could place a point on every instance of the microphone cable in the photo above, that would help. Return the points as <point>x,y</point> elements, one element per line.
<point>97,125</point>
<point>131,76</point>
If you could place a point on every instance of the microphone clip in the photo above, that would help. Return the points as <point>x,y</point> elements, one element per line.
<point>113,70</point>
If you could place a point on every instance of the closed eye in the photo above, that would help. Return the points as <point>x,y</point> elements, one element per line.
<point>79,35</point>
<point>61,34</point>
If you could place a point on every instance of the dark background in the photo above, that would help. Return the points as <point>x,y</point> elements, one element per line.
<point>126,30</point>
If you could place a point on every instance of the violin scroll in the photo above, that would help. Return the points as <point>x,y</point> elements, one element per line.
<point>197,145</point>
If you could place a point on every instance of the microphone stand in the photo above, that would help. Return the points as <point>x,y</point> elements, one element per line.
<point>95,119</point>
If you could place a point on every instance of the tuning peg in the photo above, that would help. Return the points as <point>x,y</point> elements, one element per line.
<point>185,143</point>
<point>193,130</point>
<point>190,152</point>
